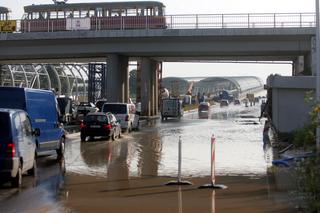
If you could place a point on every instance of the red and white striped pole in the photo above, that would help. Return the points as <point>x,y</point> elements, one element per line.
<point>213,184</point>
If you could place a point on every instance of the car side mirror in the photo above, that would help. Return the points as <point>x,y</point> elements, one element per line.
<point>36,132</point>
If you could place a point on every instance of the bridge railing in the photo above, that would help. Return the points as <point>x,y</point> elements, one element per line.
<point>193,21</point>
<point>250,20</point>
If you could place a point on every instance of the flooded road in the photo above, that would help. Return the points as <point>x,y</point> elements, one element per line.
<point>129,174</point>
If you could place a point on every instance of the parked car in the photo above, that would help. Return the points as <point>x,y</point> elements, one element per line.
<point>83,109</point>
<point>125,113</point>
<point>17,146</point>
<point>204,110</point>
<point>42,108</point>
<point>224,103</point>
<point>100,124</point>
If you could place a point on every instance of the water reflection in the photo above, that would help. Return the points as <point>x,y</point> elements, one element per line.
<point>106,158</point>
<point>40,191</point>
<point>150,148</point>
<point>153,151</point>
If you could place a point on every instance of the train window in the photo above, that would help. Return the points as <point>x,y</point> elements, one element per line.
<point>140,12</point>
<point>99,12</point>
<point>53,15</point>
<point>131,12</point>
<point>35,15</point>
<point>76,14</point>
<point>156,11</point>
<point>43,15</point>
<point>84,13</point>
<point>91,13</point>
<point>61,14</point>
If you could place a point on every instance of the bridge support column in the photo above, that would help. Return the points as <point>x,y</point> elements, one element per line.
<point>311,57</point>
<point>149,87</point>
<point>117,79</point>
<point>298,66</point>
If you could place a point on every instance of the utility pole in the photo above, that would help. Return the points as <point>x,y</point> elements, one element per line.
<point>318,71</point>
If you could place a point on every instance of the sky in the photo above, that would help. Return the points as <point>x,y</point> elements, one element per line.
<point>174,7</point>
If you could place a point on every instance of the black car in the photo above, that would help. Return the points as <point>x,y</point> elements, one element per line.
<point>100,124</point>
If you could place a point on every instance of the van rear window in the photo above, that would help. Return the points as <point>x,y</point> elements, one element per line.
<point>13,99</point>
<point>115,108</point>
<point>4,125</point>
<point>203,107</point>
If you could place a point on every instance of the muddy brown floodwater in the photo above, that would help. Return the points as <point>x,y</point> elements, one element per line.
<point>129,174</point>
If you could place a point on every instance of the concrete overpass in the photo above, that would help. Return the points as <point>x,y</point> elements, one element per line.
<point>158,45</point>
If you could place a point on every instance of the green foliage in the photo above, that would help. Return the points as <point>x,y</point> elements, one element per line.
<point>309,183</point>
<point>304,138</point>
<point>309,170</point>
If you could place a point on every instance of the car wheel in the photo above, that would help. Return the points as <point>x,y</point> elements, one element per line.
<point>16,182</point>
<point>60,151</point>
<point>83,137</point>
<point>33,170</point>
<point>113,136</point>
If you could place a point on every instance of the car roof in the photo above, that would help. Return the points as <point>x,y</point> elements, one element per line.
<point>117,103</point>
<point>98,113</point>
<point>205,103</point>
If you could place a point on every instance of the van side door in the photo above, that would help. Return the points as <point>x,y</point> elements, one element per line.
<point>21,146</point>
<point>28,140</point>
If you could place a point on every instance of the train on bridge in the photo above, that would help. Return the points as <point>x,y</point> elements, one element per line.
<point>62,16</point>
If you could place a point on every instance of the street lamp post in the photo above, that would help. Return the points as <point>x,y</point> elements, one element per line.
<point>317,71</point>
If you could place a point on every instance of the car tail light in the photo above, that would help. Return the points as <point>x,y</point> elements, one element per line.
<point>11,150</point>
<point>82,126</point>
<point>127,118</point>
<point>107,126</point>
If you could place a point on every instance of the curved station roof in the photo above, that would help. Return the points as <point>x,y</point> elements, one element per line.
<point>242,84</point>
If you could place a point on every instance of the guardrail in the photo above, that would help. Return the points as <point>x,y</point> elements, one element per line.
<point>250,20</point>
<point>192,21</point>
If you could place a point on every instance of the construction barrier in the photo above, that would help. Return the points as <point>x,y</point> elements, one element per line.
<point>179,180</point>
<point>213,184</point>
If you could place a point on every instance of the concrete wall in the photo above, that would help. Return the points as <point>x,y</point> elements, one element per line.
<point>289,109</point>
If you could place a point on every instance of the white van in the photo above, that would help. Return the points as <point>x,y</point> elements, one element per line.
<point>125,114</point>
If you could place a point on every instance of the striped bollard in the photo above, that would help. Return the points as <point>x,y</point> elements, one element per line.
<point>213,184</point>
<point>179,181</point>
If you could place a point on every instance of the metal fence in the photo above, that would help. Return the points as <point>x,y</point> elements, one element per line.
<point>192,21</point>
<point>250,20</point>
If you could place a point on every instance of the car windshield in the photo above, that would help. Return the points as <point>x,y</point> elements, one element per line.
<point>115,108</point>
<point>4,125</point>
<point>94,118</point>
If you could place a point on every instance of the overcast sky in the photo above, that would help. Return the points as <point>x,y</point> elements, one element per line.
<point>207,7</point>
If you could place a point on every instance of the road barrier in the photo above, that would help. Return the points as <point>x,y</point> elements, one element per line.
<point>213,184</point>
<point>179,181</point>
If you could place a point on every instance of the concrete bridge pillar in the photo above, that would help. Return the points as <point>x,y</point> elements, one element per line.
<point>298,66</point>
<point>117,78</point>
<point>311,59</point>
<point>149,87</point>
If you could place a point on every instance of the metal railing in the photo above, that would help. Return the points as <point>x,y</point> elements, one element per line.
<point>250,20</point>
<point>192,21</point>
